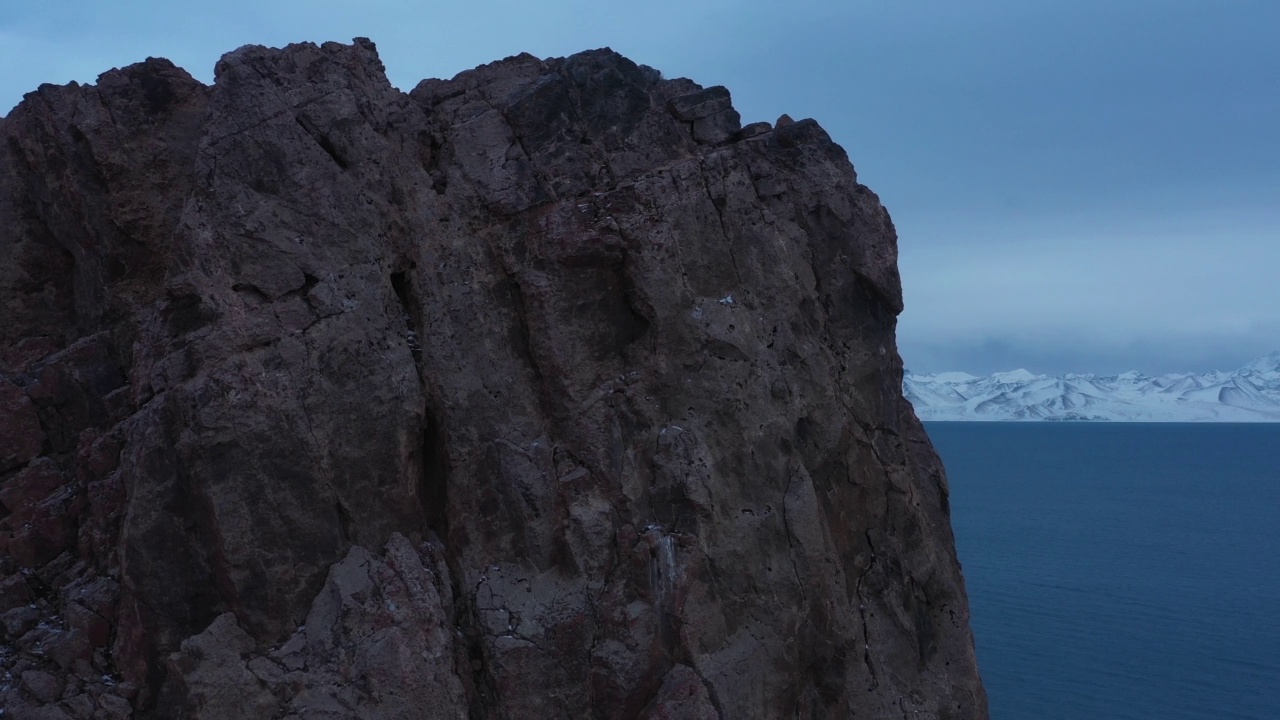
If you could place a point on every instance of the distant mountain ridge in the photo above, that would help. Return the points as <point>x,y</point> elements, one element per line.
<point>1250,394</point>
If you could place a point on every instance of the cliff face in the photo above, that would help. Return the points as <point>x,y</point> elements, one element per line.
<point>545,391</point>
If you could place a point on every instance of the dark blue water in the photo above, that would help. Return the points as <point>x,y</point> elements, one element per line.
<point>1120,571</point>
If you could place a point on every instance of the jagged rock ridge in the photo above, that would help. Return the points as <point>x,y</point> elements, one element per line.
<point>545,391</point>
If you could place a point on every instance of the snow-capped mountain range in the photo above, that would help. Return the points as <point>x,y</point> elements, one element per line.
<point>1250,394</point>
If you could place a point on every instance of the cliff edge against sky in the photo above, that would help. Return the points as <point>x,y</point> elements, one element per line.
<point>545,391</point>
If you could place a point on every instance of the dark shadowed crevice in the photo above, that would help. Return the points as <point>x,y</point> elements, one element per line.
<point>186,313</point>
<point>712,695</point>
<point>252,291</point>
<point>926,629</point>
<point>521,336</point>
<point>638,320</point>
<point>323,141</point>
<point>483,694</point>
<point>400,285</point>
<point>433,480</point>
<point>434,474</point>
<point>862,614</point>
<point>409,315</point>
<point>309,281</point>
<point>790,534</point>
<point>430,148</point>
<point>827,676</point>
<point>345,523</point>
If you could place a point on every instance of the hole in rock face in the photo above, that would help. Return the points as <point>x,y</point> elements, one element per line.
<point>309,281</point>
<point>804,429</point>
<point>185,314</point>
<point>400,284</point>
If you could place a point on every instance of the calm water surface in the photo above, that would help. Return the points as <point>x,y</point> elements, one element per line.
<point>1120,571</point>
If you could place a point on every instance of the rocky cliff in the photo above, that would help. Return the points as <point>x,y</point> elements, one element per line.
<point>546,391</point>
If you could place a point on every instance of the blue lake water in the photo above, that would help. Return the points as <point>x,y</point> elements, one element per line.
<point>1120,571</point>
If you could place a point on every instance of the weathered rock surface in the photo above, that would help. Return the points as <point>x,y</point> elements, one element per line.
<point>545,391</point>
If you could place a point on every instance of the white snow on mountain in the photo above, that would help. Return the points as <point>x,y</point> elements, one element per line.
<point>1250,394</point>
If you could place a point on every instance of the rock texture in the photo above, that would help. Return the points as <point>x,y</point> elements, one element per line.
<point>545,391</point>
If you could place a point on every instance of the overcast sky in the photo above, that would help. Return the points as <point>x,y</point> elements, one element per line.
<point>1082,185</point>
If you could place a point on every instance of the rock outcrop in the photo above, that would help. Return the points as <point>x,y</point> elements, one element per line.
<point>546,391</point>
